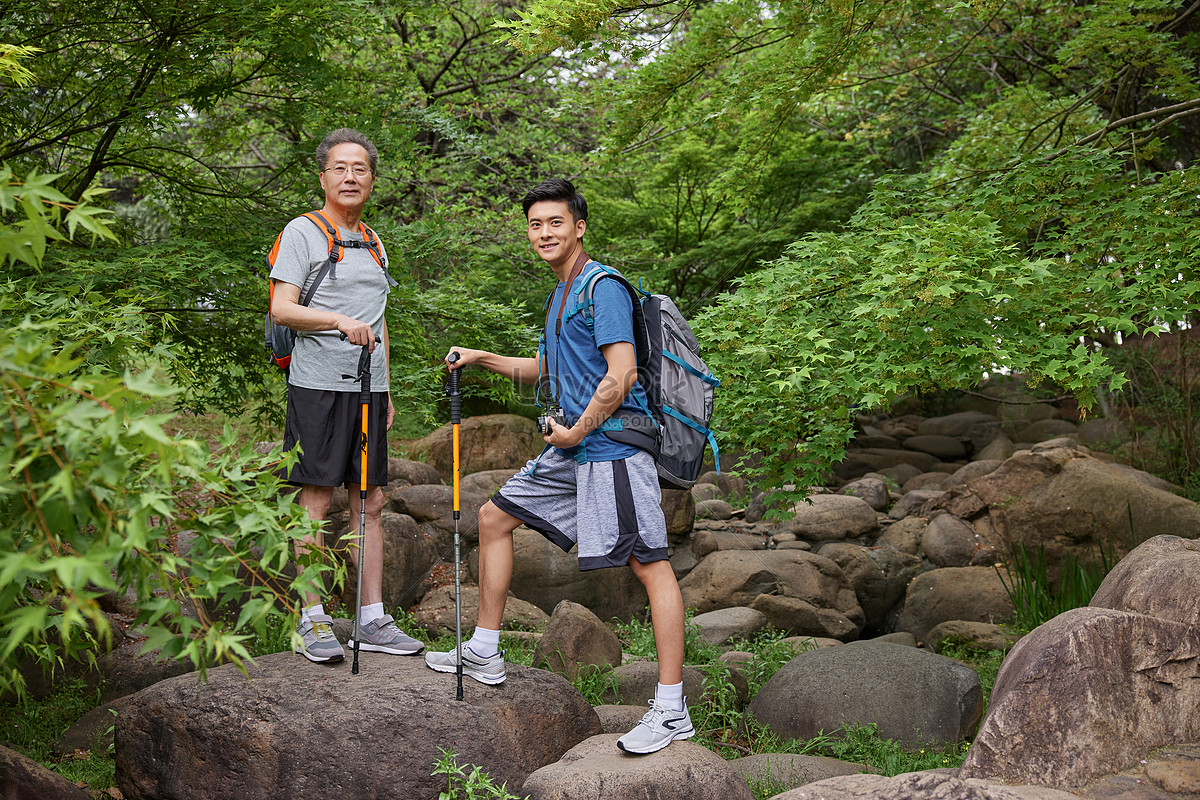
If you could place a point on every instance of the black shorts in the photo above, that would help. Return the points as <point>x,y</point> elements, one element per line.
<point>328,427</point>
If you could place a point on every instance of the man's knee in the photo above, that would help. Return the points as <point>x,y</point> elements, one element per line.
<point>494,523</point>
<point>374,505</point>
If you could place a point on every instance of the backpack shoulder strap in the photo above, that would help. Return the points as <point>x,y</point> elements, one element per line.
<point>641,339</point>
<point>335,252</point>
<point>373,246</point>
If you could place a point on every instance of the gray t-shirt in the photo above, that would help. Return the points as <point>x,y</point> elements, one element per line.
<point>356,287</point>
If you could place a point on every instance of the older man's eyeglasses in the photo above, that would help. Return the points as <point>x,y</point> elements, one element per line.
<point>340,170</point>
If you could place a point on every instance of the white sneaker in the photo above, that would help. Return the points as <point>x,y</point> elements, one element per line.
<point>485,670</point>
<point>658,728</point>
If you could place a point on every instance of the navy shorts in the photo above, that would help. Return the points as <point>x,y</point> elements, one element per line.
<point>328,428</point>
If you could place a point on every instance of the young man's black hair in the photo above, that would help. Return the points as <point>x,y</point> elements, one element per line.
<point>559,189</point>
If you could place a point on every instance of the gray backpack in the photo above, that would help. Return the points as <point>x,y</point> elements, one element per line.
<point>679,387</point>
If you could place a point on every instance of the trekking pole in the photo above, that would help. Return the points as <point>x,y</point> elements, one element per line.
<point>364,395</point>
<point>455,415</point>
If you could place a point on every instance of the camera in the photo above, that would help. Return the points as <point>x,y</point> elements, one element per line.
<point>552,413</point>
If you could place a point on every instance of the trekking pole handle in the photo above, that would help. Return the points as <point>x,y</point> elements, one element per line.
<point>455,397</point>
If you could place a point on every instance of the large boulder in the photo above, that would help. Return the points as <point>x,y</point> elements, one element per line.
<point>879,576</point>
<point>1087,694</point>
<point>974,594</point>
<point>486,482</point>
<point>492,441</point>
<point>403,472</point>
<point>295,729</point>
<point>943,448</point>
<point>409,554</point>
<point>679,508</point>
<point>872,490</point>
<point>919,786</point>
<point>724,625</point>
<point>949,541</point>
<point>799,591</point>
<point>705,542</point>
<point>831,516</point>
<point>435,504</point>
<point>576,641</point>
<point>911,695</point>
<point>596,770</point>
<point>976,427</point>
<point>635,683</point>
<point>789,770</point>
<point>545,576</point>
<point>1059,498</point>
<point>21,777</point>
<point>1160,577</point>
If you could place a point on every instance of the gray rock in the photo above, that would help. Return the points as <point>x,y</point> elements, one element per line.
<point>943,448</point>
<point>831,516</point>
<point>930,785</point>
<point>705,542</point>
<point>485,483</point>
<point>903,535</point>
<point>860,461</point>
<point>901,473</point>
<point>435,504</point>
<point>490,441</point>
<point>900,637</point>
<point>402,472</point>
<point>872,440</point>
<point>1056,496</point>
<point>911,695</point>
<point>544,575</point>
<point>127,670</point>
<point>773,579</point>
<point>1045,430</point>
<point>679,507</point>
<point>22,777</point>
<point>713,509</point>
<point>436,611</point>
<point>1106,688</point>
<point>978,636</point>
<point>619,719</point>
<point>949,541</point>
<point>879,576</point>
<point>969,472</point>
<point>93,731</point>
<point>726,624</point>
<point>788,771</point>
<point>958,424</point>
<point>294,728</point>
<point>1160,577</point>
<point>705,491</point>
<point>975,594</point>
<point>683,561</point>
<point>873,492</point>
<point>409,554</point>
<point>596,770</point>
<point>914,502</point>
<point>636,681</point>
<point>935,480</point>
<point>998,449</point>
<point>576,641</point>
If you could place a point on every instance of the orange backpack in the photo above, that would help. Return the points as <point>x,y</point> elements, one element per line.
<point>280,339</point>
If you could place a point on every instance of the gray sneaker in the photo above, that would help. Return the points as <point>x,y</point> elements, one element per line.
<point>382,636</point>
<point>658,728</point>
<point>484,670</point>
<point>320,644</point>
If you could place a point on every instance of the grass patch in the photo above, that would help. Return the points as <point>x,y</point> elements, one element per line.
<point>31,726</point>
<point>1035,598</point>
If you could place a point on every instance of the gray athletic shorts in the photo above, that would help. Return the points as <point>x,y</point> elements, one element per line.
<point>611,509</point>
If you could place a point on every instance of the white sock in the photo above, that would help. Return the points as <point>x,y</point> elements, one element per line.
<point>670,695</point>
<point>485,642</point>
<point>306,613</point>
<point>370,613</point>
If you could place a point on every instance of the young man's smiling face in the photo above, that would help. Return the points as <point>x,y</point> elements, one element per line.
<point>555,234</point>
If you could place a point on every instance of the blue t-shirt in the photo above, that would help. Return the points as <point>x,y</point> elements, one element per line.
<point>576,365</point>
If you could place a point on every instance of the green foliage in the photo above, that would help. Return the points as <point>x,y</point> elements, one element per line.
<point>462,784</point>
<point>41,210</point>
<point>96,497</point>
<point>1037,597</point>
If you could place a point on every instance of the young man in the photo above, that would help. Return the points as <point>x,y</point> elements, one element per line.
<point>324,412</point>
<point>586,489</point>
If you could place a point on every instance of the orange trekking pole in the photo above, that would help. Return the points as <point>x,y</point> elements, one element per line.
<point>364,394</point>
<point>455,419</point>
